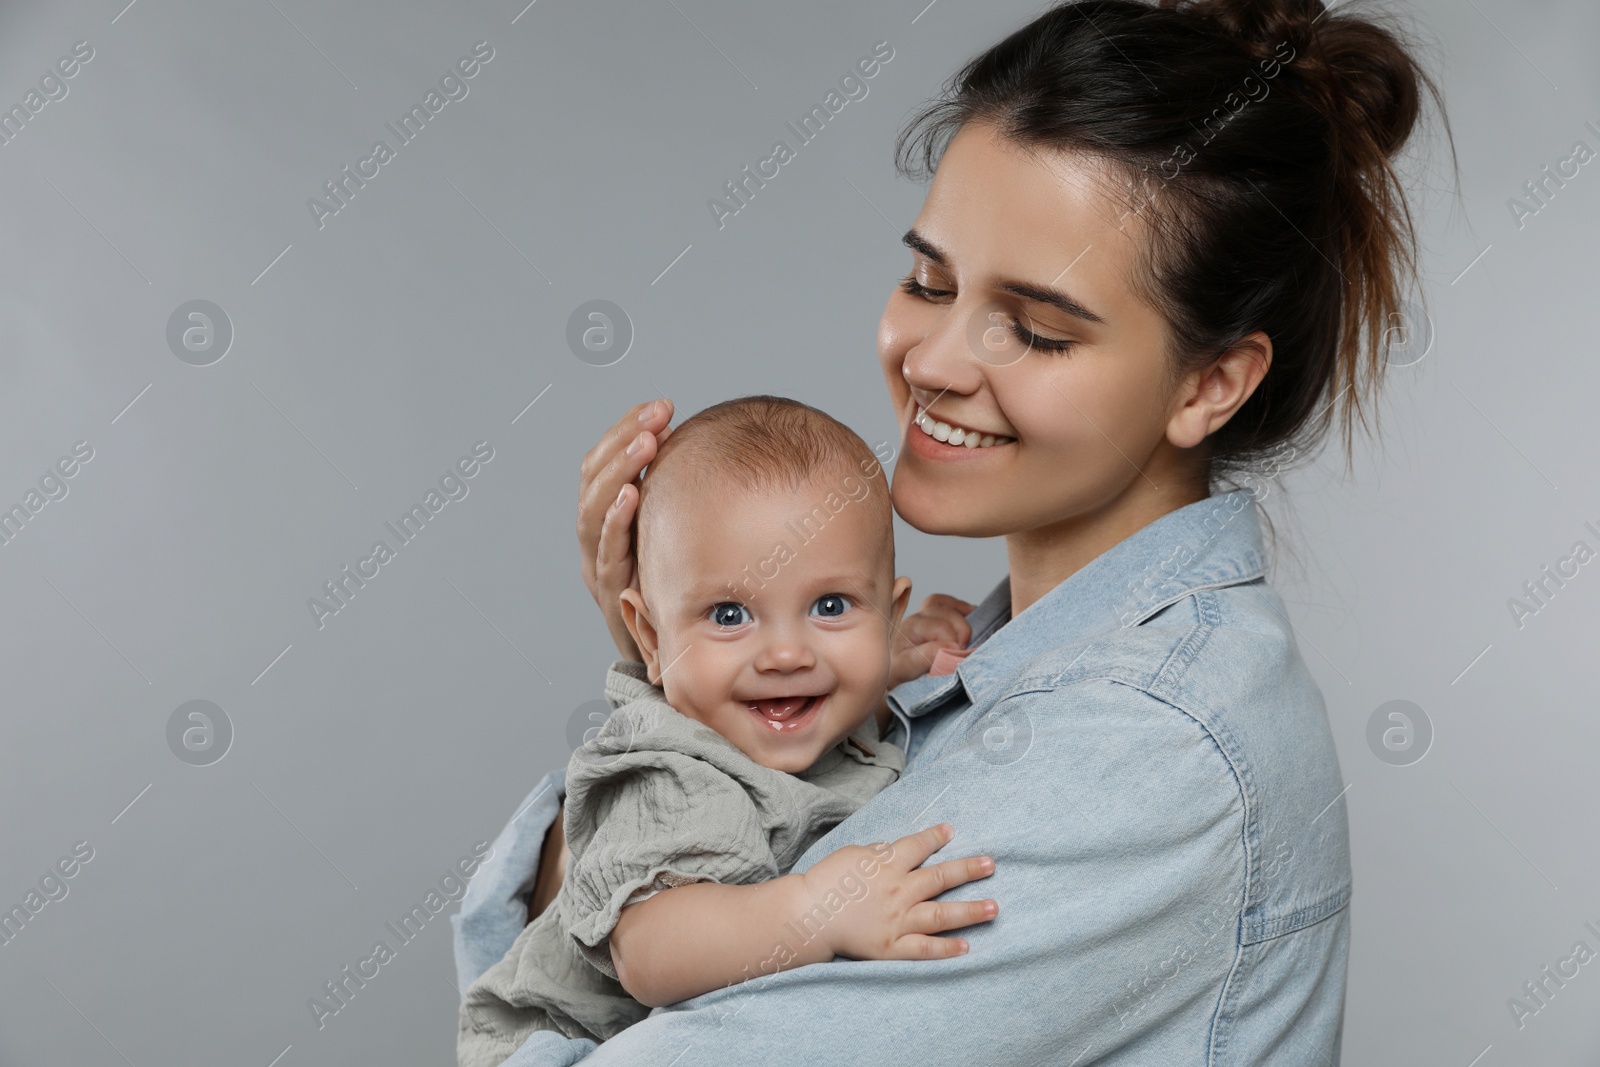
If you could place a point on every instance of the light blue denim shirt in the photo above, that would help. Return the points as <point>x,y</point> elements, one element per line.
<point>1148,760</point>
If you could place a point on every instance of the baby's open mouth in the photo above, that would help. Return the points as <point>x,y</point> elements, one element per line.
<point>786,713</point>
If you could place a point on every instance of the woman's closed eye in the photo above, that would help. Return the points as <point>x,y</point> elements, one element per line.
<point>915,288</point>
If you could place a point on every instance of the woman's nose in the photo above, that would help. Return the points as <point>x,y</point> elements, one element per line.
<point>943,360</point>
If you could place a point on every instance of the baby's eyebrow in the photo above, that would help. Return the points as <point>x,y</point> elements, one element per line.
<point>853,583</point>
<point>750,586</point>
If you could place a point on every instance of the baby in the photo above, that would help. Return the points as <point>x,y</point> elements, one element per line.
<point>765,609</point>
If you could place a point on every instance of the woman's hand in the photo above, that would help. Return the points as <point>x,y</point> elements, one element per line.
<point>894,919</point>
<point>940,623</point>
<point>608,495</point>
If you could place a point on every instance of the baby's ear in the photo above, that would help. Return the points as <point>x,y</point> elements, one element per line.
<point>636,617</point>
<point>900,596</point>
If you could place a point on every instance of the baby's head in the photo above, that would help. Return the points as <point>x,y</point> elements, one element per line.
<point>767,597</point>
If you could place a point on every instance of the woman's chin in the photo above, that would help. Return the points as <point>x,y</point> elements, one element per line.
<point>939,511</point>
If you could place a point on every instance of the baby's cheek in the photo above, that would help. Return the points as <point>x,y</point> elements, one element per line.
<point>865,661</point>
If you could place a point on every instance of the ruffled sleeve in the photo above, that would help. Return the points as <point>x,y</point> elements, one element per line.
<point>642,818</point>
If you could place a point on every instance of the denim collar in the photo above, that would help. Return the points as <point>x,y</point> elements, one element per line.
<point>1209,544</point>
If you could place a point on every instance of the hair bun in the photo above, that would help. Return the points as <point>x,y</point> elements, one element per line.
<point>1356,70</point>
<point>1259,25</point>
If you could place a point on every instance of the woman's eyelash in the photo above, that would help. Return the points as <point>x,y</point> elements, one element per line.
<point>916,288</point>
<point>1022,333</point>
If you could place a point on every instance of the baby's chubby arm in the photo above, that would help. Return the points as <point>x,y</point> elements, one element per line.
<point>865,902</point>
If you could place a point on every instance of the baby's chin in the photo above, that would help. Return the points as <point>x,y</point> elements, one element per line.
<point>796,758</point>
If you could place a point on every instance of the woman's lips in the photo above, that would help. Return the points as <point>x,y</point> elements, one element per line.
<point>919,442</point>
<point>955,434</point>
<point>786,714</point>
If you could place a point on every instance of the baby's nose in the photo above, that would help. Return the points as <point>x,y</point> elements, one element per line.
<point>786,652</point>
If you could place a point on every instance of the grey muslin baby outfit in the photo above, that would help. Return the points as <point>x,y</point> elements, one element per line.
<point>655,800</point>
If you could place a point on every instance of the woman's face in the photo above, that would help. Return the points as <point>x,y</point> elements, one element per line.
<point>1017,321</point>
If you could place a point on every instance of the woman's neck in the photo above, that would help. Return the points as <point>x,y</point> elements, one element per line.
<point>1042,558</point>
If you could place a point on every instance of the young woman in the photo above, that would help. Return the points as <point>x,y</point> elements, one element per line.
<point>1160,247</point>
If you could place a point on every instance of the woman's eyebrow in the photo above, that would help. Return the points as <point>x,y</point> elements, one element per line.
<point>1054,297</point>
<point>919,243</point>
<point>1026,290</point>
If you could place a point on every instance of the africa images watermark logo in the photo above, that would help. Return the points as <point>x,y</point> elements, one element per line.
<point>452,87</point>
<point>342,588</point>
<point>741,190</point>
<point>52,87</point>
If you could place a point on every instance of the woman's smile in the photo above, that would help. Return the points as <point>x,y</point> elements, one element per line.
<point>950,432</point>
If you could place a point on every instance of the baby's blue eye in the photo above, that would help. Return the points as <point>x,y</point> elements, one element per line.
<point>831,606</point>
<point>729,614</point>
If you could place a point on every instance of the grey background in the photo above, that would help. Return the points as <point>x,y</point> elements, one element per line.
<point>426,316</point>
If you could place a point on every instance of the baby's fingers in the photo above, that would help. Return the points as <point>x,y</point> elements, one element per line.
<point>913,849</point>
<point>934,879</point>
<point>936,916</point>
<point>923,947</point>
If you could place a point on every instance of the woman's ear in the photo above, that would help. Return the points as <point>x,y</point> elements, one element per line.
<point>1211,395</point>
<point>636,617</point>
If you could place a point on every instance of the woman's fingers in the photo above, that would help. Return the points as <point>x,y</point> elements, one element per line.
<point>608,466</point>
<point>651,416</point>
<point>614,553</point>
<point>614,568</point>
<point>599,490</point>
<point>607,501</point>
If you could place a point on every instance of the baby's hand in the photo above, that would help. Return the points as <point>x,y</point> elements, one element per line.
<point>894,919</point>
<point>940,623</point>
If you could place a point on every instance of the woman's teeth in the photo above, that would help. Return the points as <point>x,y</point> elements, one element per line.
<point>957,435</point>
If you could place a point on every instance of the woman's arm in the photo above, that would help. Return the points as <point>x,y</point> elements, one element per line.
<point>552,866</point>
<point>1120,854</point>
<point>862,902</point>
<point>495,907</point>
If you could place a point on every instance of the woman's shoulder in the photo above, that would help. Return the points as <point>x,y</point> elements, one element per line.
<point>1226,656</point>
<point>1213,689</point>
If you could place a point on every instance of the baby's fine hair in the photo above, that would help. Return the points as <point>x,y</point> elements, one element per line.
<point>769,442</point>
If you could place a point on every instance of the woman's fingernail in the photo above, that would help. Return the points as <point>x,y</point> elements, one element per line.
<point>638,443</point>
<point>617,503</point>
<point>649,411</point>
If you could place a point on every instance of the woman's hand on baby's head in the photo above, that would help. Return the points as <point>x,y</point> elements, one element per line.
<point>608,495</point>
<point>879,898</point>
<point>941,622</point>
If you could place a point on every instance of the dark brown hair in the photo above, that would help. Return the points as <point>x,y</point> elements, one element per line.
<point>1255,137</point>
